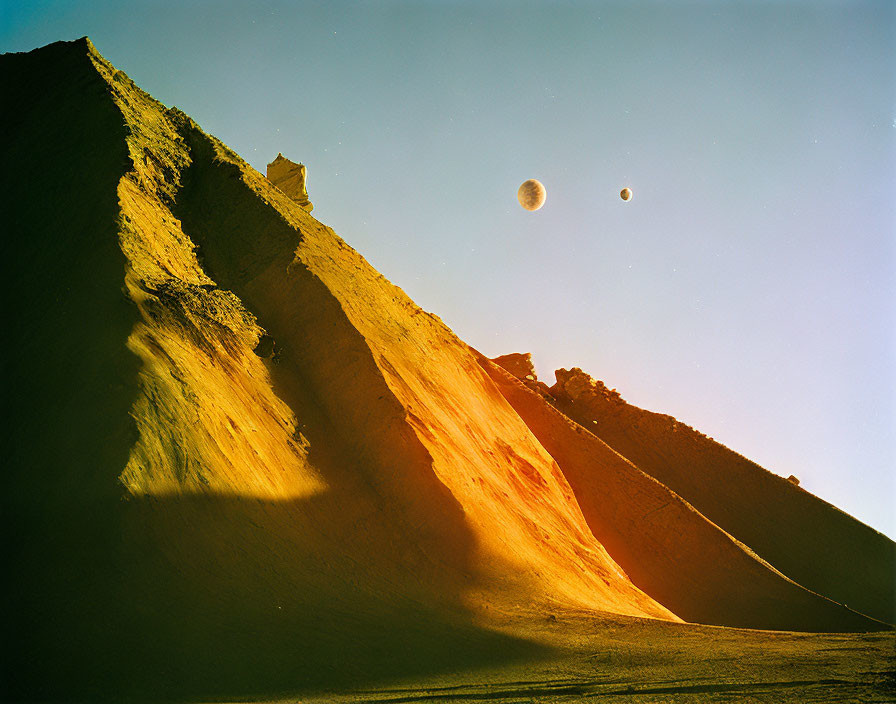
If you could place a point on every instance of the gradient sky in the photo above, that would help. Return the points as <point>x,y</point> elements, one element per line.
<point>749,288</point>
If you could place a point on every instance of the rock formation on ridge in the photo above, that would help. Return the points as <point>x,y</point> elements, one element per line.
<point>520,365</point>
<point>290,178</point>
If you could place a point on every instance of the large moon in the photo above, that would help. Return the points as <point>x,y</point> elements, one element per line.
<point>531,194</point>
<point>626,194</point>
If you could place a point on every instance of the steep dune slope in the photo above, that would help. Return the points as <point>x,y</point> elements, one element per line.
<point>666,546</point>
<point>812,542</point>
<point>412,404</point>
<point>245,468</point>
<point>168,525</point>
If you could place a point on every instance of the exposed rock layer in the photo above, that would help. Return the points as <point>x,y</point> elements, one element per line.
<point>518,364</point>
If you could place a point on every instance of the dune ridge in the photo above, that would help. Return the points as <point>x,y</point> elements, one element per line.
<point>812,542</point>
<point>665,544</point>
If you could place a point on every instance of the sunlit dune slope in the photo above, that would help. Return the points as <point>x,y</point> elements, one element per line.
<point>667,547</point>
<point>420,419</point>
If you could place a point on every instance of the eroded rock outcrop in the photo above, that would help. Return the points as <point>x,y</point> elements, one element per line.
<point>574,385</point>
<point>519,364</point>
<point>290,178</point>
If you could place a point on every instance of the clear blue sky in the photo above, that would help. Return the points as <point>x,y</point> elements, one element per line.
<point>749,288</point>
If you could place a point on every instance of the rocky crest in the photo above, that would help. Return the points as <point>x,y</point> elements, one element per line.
<point>519,364</point>
<point>577,386</point>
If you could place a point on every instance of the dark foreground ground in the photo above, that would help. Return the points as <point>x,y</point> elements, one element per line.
<point>633,660</point>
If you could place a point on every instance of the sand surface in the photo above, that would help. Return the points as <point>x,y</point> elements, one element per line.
<point>632,660</point>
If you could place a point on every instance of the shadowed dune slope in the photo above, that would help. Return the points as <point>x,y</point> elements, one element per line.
<point>809,540</point>
<point>665,545</point>
<point>69,380</point>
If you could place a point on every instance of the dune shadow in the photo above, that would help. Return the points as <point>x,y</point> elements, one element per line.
<point>223,598</point>
<point>228,600</point>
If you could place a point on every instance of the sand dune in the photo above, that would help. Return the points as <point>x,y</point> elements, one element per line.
<point>243,463</point>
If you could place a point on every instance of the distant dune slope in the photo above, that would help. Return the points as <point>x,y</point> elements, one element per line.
<point>665,545</point>
<point>812,542</point>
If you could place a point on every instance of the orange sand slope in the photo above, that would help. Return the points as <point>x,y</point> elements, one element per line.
<point>241,455</point>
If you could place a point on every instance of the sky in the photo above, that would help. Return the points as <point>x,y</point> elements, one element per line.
<point>748,288</point>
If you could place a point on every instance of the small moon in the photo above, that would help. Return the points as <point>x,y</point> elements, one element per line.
<point>531,194</point>
<point>626,194</point>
